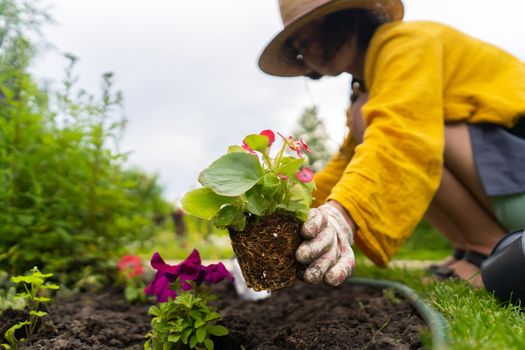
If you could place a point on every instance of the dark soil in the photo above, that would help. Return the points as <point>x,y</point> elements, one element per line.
<point>299,317</point>
<point>265,251</point>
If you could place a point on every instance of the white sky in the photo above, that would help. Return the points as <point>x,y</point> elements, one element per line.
<point>188,70</point>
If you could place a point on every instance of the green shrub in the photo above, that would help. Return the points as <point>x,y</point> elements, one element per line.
<point>67,201</point>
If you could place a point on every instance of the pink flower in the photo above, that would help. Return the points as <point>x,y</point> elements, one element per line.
<point>282,176</point>
<point>305,146</point>
<point>305,175</point>
<point>270,135</point>
<point>131,266</point>
<point>296,145</point>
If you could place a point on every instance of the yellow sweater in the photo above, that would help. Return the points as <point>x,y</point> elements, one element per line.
<point>420,75</point>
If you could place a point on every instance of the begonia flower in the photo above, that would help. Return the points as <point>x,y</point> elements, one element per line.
<point>270,135</point>
<point>131,266</point>
<point>305,175</point>
<point>282,176</point>
<point>296,145</point>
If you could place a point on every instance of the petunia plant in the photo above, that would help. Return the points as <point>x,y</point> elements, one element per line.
<point>252,181</point>
<point>184,319</point>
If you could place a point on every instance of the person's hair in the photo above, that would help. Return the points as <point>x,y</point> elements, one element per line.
<point>339,27</point>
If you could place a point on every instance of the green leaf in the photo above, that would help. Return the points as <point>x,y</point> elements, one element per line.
<point>230,216</point>
<point>212,316</point>
<point>193,341</point>
<point>209,344</point>
<point>235,148</point>
<point>10,333</point>
<point>167,346</point>
<point>154,311</point>
<point>201,334</point>
<point>147,345</point>
<point>28,279</point>
<point>289,166</point>
<point>131,293</point>
<point>217,330</point>
<point>232,174</point>
<point>174,338</point>
<point>186,335</point>
<point>257,142</point>
<point>204,203</point>
<point>41,299</point>
<point>37,313</point>
<point>196,314</point>
<point>256,204</point>
<point>199,323</point>
<point>51,286</point>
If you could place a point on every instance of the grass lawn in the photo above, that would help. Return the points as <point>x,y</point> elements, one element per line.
<point>476,319</point>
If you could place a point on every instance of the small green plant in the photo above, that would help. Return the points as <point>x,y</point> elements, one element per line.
<point>183,319</point>
<point>34,294</point>
<point>130,276</point>
<point>240,184</point>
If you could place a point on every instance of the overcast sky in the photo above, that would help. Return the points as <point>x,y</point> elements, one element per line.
<point>188,70</point>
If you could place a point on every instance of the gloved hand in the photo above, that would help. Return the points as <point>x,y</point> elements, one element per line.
<point>327,248</point>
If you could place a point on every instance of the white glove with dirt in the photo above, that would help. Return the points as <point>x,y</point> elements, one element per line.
<point>327,248</point>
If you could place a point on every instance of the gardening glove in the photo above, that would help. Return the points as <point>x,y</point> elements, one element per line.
<point>327,248</point>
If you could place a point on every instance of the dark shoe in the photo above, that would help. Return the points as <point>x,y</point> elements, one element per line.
<point>503,271</point>
<point>475,258</point>
<point>458,255</point>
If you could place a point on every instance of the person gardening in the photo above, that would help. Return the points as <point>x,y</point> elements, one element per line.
<point>436,130</point>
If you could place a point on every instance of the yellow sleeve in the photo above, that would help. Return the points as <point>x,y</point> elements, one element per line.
<point>326,178</point>
<point>395,172</point>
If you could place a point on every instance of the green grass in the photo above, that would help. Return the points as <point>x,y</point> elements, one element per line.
<point>425,243</point>
<point>476,319</point>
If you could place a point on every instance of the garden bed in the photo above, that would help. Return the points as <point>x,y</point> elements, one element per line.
<point>299,317</point>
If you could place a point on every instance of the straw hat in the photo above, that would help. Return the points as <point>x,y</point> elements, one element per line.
<point>295,14</point>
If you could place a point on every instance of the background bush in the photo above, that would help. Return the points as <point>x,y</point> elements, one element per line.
<point>67,201</point>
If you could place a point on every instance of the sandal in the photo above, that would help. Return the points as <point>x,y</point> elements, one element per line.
<point>475,258</point>
<point>458,255</point>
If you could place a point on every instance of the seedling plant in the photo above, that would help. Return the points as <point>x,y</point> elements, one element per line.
<point>35,293</point>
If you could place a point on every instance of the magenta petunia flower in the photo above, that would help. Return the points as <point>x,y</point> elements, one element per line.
<point>305,175</point>
<point>270,135</point>
<point>216,273</point>
<point>190,270</point>
<point>160,287</point>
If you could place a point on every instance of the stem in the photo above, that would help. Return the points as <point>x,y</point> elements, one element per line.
<point>267,159</point>
<point>280,154</point>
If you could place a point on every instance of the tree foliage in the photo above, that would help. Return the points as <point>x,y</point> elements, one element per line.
<point>68,203</point>
<point>312,130</point>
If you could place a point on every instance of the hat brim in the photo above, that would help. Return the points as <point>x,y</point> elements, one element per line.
<point>275,58</point>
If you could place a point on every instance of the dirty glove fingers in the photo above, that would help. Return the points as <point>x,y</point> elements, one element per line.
<point>317,269</point>
<point>314,224</point>
<point>312,249</point>
<point>342,270</point>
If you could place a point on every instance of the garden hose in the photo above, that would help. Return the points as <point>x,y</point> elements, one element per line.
<point>435,321</point>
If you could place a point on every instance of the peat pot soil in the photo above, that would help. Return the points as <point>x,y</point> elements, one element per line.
<point>298,317</point>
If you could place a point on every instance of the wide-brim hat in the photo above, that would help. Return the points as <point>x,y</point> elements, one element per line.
<point>276,57</point>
